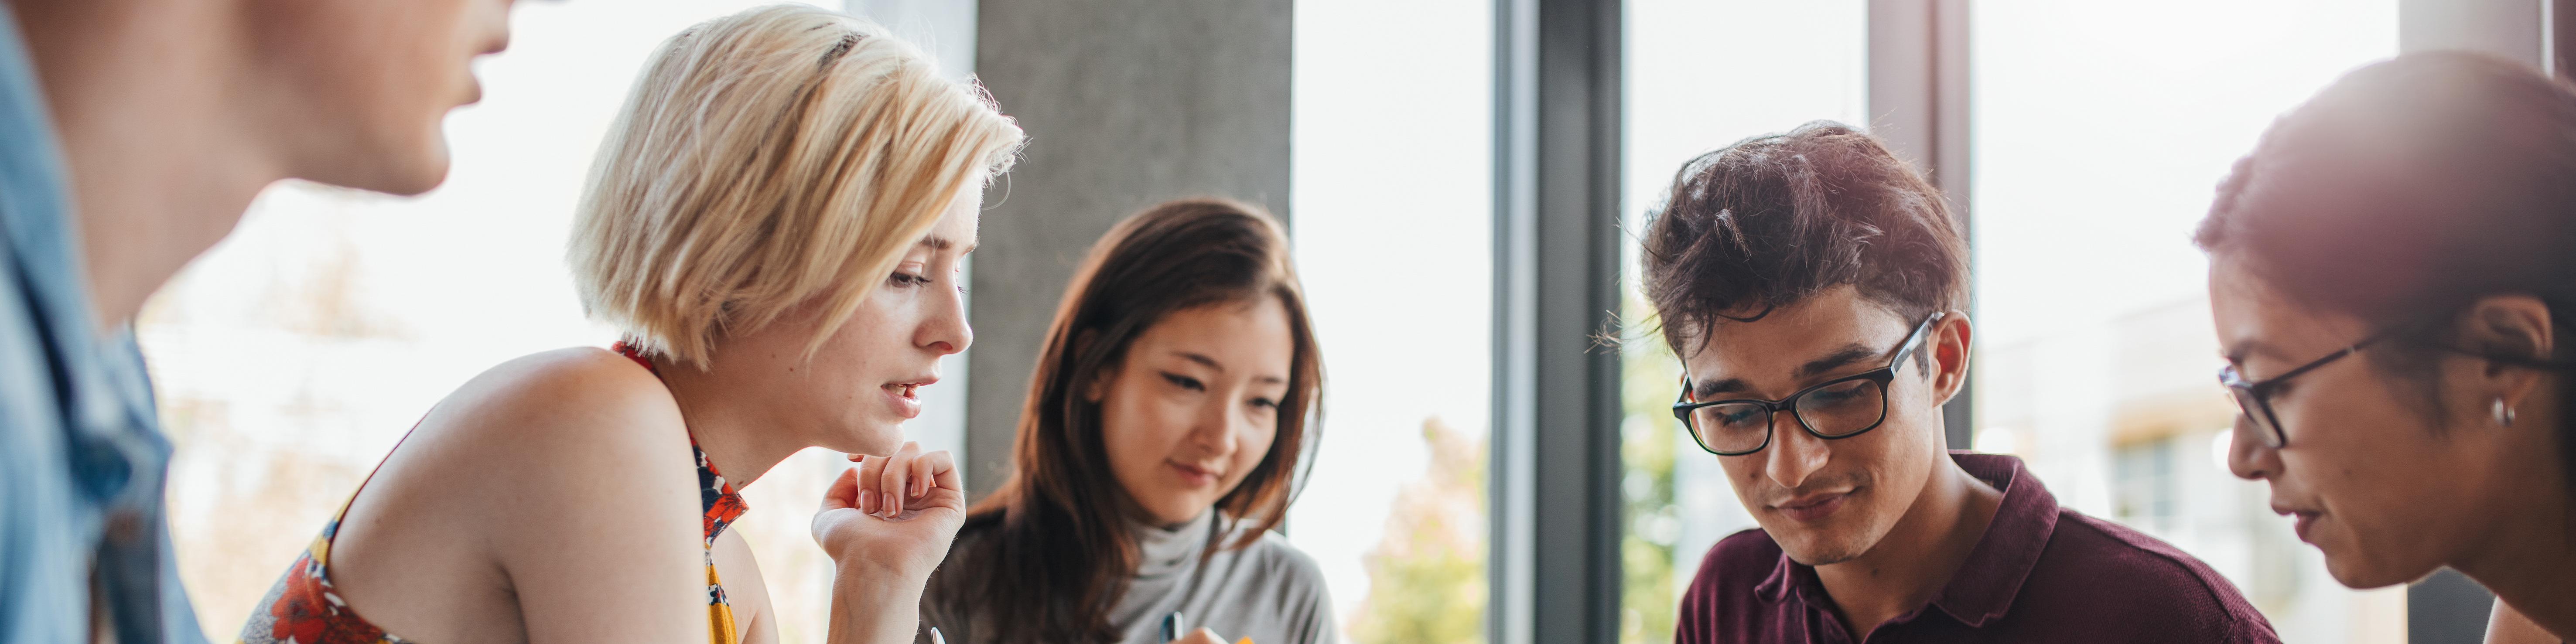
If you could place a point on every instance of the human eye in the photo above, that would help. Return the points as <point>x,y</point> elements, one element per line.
<point>1737,416</point>
<point>1184,382</point>
<point>1829,396</point>
<point>1836,394</point>
<point>902,278</point>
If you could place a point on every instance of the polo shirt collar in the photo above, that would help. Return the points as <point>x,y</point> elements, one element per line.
<point>1992,575</point>
<point>1987,582</point>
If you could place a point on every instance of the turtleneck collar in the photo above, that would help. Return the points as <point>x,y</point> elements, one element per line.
<point>1167,550</point>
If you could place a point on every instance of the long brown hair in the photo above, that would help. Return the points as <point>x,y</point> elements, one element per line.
<point>1056,540</point>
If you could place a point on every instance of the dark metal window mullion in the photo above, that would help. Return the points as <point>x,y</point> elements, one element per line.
<point>1555,461</point>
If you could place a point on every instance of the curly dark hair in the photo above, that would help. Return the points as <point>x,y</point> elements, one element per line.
<point>1775,219</point>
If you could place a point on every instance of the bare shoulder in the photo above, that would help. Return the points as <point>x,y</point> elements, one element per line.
<point>568,432</point>
<point>521,496</point>
<point>579,394</point>
<point>599,495</point>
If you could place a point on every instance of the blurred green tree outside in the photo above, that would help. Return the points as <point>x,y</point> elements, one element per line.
<point>1649,438</point>
<point>1427,575</point>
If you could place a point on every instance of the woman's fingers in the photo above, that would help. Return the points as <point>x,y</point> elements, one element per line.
<point>871,476</point>
<point>887,486</point>
<point>844,491</point>
<point>943,473</point>
<point>920,474</point>
<point>1200,636</point>
<point>894,481</point>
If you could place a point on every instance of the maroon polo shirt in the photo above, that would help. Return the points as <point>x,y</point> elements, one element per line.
<point>2041,573</point>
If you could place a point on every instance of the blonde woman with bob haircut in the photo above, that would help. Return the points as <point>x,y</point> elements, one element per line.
<point>774,225</point>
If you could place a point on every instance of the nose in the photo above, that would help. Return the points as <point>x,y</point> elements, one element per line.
<point>1218,427</point>
<point>946,332</point>
<point>2247,457</point>
<point>1794,454</point>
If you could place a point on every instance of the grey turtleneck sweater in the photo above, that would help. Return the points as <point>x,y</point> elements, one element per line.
<point>1268,591</point>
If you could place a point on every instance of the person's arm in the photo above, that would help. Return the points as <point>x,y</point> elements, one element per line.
<point>600,537</point>
<point>2508,626</point>
<point>746,588</point>
<point>887,524</point>
<point>1316,610</point>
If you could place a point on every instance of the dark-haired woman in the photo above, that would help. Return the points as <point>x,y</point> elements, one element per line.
<point>1166,423</point>
<point>2394,278</point>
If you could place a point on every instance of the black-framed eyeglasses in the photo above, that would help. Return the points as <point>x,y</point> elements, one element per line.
<point>1839,408</point>
<point>2254,397</point>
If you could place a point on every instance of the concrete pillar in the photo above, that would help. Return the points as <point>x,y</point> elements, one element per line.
<point>1126,103</point>
<point>1918,103</point>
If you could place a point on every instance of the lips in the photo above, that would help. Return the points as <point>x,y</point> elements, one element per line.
<point>1813,507</point>
<point>2301,520</point>
<point>905,396</point>
<point>1196,475</point>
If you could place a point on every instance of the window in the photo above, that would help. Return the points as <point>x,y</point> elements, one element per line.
<point>1393,136</point>
<point>1702,75</point>
<point>2099,133</point>
<point>2142,476</point>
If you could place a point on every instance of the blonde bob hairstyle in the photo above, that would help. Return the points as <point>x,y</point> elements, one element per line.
<point>778,158</point>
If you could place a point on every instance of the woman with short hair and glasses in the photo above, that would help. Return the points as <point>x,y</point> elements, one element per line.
<point>2391,274</point>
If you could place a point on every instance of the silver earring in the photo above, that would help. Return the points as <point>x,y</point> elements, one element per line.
<point>2503,414</point>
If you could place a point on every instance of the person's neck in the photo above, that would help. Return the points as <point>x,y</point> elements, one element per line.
<point>2526,564</point>
<point>729,423</point>
<point>1910,565</point>
<point>161,162</point>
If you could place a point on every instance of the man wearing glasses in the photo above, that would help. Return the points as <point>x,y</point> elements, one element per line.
<point>1810,283</point>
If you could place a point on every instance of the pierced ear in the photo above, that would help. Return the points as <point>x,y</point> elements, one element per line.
<point>2509,328</point>
<point>2515,333</point>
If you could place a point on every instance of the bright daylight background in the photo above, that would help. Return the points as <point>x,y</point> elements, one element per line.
<point>1393,192</point>
<point>2100,132</point>
<point>293,357</point>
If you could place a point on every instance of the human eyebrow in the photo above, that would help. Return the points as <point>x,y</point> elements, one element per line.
<point>1201,359</point>
<point>1840,358</point>
<point>1708,389</point>
<point>2236,352</point>
<point>936,242</point>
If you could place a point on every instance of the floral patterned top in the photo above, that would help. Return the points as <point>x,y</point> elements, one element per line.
<point>303,609</point>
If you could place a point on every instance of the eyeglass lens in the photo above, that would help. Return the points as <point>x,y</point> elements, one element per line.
<point>2251,408</point>
<point>1836,410</point>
